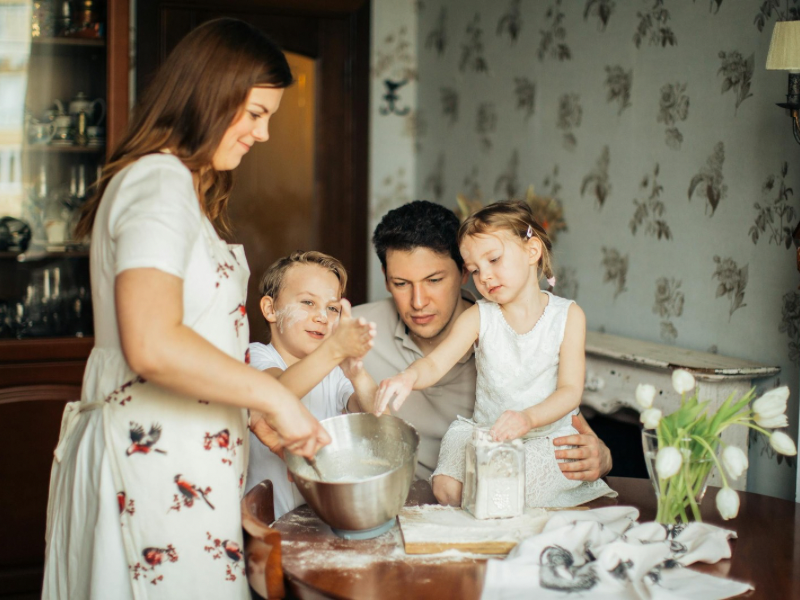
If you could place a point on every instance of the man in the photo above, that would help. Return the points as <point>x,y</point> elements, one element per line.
<point>424,272</point>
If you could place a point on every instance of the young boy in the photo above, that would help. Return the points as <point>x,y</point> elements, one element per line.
<point>315,349</point>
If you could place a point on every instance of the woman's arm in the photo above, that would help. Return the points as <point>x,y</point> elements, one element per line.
<point>569,388</point>
<point>426,371</point>
<point>160,348</point>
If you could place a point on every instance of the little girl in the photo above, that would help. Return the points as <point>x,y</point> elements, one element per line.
<point>529,350</point>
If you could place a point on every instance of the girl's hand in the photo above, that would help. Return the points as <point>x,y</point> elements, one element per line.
<point>511,425</point>
<point>352,338</point>
<point>397,387</point>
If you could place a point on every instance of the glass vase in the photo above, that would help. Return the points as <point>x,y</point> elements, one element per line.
<point>680,496</point>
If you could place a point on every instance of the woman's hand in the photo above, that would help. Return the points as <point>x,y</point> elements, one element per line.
<point>296,429</point>
<point>266,434</point>
<point>512,424</point>
<point>397,387</point>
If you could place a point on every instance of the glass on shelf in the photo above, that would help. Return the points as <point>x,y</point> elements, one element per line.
<point>55,83</point>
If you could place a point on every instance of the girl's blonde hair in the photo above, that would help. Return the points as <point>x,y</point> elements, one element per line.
<point>515,217</point>
<point>272,280</point>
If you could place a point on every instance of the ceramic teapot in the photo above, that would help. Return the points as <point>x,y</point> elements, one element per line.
<point>82,103</point>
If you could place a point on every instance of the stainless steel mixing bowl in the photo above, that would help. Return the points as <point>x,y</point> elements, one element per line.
<point>367,470</point>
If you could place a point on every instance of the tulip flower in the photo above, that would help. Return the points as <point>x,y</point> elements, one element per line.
<point>782,443</point>
<point>728,503</point>
<point>682,381</point>
<point>775,422</point>
<point>668,462</point>
<point>734,460</point>
<point>771,405</point>
<point>650,418</point>
<point>645,393</point>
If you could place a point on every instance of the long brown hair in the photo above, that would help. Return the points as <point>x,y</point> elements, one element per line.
<point>193,99</point>
<point>515,217</point>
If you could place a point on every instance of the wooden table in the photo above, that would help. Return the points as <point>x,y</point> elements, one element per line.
<point>318,564</point>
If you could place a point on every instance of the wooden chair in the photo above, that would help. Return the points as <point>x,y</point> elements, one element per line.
<point>31,419</point>
<point>262,543</point>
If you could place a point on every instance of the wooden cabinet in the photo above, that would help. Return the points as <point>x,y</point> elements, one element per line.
<point>45,316</point>
<point>64,75</point>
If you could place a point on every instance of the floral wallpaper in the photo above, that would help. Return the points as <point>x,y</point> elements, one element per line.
<point>397,125</point>
<point>655,146</point>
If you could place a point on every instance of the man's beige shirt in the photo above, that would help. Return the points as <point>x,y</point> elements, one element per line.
<point>431,410</point>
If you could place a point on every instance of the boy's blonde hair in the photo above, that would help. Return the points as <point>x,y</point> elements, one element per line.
<point>515,217</point>
<point>272,280</point>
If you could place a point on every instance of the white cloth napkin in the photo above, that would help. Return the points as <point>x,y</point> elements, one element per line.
<point>605,554</point>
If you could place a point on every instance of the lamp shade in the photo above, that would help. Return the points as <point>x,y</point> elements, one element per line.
<point>784,50</point>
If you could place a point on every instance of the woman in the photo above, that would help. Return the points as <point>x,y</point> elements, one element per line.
<point>147,477</point>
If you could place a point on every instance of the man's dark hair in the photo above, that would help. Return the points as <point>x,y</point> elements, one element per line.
<point>418,224</point>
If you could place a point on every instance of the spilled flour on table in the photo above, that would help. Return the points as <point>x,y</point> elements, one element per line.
<point>330,552</point>
<point>353,555</point>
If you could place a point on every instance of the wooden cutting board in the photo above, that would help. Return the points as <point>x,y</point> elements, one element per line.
<point>430,529</point>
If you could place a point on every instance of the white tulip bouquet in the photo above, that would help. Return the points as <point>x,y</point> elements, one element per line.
<point>685,445</point>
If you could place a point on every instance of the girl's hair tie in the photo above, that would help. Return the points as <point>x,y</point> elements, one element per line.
<point>552,281</point>
<point>529,234</point>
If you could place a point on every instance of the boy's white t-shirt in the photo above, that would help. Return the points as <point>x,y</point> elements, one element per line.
<point>328,399</point>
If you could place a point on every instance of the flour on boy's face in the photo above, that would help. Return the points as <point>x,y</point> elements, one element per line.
<point>305,310</point>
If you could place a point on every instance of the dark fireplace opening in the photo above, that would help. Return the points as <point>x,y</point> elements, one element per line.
<point>621,431</point>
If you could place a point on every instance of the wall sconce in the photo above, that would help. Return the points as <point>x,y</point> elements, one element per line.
<point>784,55</point>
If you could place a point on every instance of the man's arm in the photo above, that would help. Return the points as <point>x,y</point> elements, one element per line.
<point>592,459</point>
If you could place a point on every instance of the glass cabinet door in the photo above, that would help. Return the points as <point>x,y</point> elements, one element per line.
<point>53,110</point>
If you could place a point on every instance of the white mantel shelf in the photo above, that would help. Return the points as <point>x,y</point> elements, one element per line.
<point>703,365</point>
<point>615,365</point>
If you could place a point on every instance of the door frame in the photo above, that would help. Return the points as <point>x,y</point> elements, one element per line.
<point>337,34</point>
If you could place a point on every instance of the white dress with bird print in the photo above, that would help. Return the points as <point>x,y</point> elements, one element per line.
<point>146,484</point>
<point>517,371</point>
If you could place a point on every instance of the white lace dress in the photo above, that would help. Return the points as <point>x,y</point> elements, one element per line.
<point>516,372</point>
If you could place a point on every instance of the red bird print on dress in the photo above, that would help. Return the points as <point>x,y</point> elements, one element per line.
<point>223,439</point>
<point>155,556</point>
<point>191,492</point>
<point>240,320</point>
<point>232,550</point>
<point>144,443</point>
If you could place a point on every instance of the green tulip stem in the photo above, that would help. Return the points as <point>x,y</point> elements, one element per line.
<point>706,445</point>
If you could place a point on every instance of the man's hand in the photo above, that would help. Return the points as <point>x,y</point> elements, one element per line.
<point>591,458</point>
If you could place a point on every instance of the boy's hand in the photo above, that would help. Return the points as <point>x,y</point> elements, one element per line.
<point>352,338</point>
<point>397,387</point>
<point>352,367</point>
<point>511,425</point>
